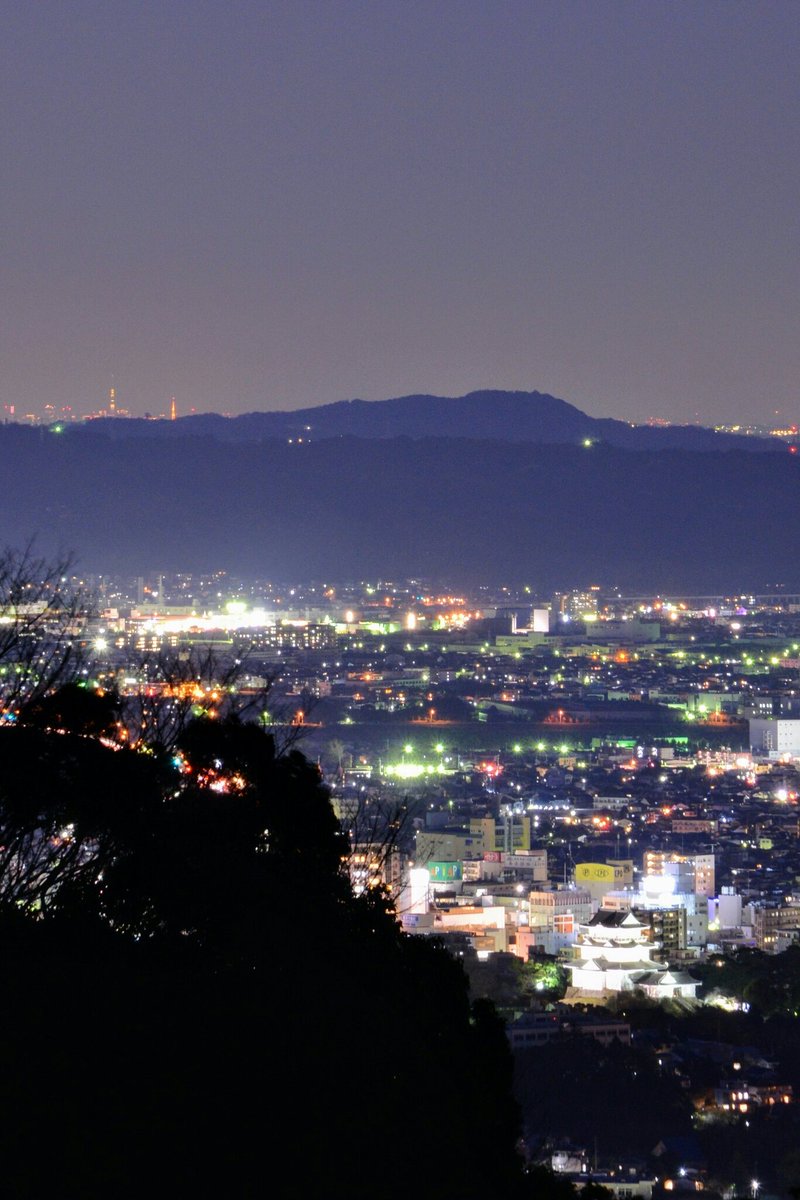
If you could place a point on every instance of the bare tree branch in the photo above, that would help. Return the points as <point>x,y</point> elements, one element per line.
<point>41,616</point>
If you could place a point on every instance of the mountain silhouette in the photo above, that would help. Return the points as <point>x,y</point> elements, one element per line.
<point>460,509</point>
<point>508,416</point>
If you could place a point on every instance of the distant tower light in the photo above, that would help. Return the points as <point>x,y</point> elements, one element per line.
<point>173,410</point>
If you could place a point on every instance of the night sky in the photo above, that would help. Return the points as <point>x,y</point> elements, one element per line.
<point>270,205</point>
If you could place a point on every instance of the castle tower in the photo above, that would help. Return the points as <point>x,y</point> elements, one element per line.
<point>614,954</point>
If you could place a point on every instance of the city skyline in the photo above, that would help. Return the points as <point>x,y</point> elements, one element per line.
<point>775,423</point>
<point>274,206</point>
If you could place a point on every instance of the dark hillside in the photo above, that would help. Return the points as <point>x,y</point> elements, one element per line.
<point>507,416</point>
<point>462,509</point>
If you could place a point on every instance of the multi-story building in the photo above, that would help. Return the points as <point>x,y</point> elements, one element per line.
<point>678,921</point>
<point>769,923</point>
<point>372,866</point>
<point>774,738</point>
<point>597,878</point>
<point>554,916</point>
<point>510,835</point>
<point>691,872</point>
<point>725,910</point>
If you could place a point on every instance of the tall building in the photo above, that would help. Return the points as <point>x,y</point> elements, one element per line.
<point>726,909</point>
<point>688,872</point>
<point>577,604</point>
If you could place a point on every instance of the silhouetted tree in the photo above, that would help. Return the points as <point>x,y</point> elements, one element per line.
<point>74,708</point>
<point>40,607</point>
<point>198,1003</point>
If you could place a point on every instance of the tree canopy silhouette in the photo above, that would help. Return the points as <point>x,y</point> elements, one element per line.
<point>197,1002</point>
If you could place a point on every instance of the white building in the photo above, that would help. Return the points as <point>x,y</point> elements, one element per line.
<point>614,955</point>
<point>690,872</point>
<point>725,910</point>
<point>774,738</point>
<point>657,894</point>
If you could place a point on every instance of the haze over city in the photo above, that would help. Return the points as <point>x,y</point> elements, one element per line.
<point>275,205</point>
<point>400,600</point>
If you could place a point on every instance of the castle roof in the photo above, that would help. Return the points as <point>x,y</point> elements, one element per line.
<point>610,918</point>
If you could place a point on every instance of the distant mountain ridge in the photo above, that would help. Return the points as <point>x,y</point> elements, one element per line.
<point>497,415</point>
<point>459,509</point>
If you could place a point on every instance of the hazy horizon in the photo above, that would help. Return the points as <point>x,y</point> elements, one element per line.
<point>220,412</point>
<point>276,204</point>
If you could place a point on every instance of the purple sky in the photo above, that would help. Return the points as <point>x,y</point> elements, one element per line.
<point>270,205</point>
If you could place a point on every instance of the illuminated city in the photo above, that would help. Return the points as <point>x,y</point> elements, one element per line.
<point>400,600</point>
<point>591,799</point>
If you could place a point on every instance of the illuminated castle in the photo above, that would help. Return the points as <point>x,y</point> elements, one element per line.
<point>614,955</point>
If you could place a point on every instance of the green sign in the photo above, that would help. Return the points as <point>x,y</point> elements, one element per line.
<point>444,872</point>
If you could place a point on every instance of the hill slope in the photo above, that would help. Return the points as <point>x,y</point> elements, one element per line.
<point>508,416</point>
<point>460,509</point>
